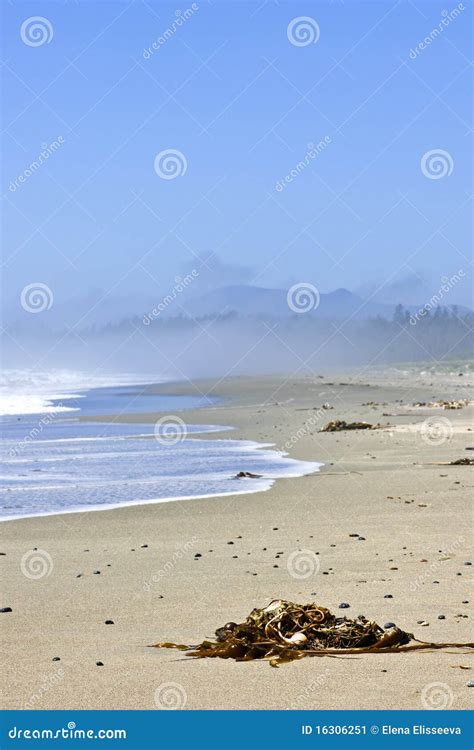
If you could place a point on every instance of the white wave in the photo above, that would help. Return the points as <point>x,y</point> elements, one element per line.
<point>33,392</point>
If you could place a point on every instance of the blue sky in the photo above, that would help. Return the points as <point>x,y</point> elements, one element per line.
<point>241,103</point>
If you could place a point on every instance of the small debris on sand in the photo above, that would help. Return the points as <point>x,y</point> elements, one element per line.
<point>246,475</point>
<point>338,425</point>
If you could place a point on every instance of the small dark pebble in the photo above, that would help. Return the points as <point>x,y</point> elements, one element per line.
<point>55,658</point>
<point>97,572</point>
<point>6,609</point>
<point>99,663</point>
<point>388,596</point>
<point>230,542</point>
<point>275,528</point>
<point>435,581</point>
<point>353,534</point>
<point>198,554</point>
<point>109,622</point>
<point>361,539</point>
<point>470,683</point>
<point>344,605</point>
<point>389,625</point>
<point>79,575</point>
<point>466,601</point>
<point>275,566</point>
<point>441,617</point>
<point>468,563</point>
<point>234,557</point>
<point>143,546</point>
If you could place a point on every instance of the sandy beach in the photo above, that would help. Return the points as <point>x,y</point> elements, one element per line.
<point>390,525</point>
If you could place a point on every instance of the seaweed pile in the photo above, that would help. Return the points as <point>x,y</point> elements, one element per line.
<point>338,425</point>
<point>284,631</point>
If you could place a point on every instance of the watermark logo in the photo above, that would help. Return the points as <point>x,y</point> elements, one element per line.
<point>170,430</point>
<point>180,285</point>
<point>437,696</point>
<point>303,297</point>
<point>180,20</point>
<point>436,164</point>
<point>36,297</point>
<point>47,150</point>
<point>447,285</point>
<point>170,164</point>
<point>303,31</point>
<point>170,696</point>
<point>436,430</point>
<point>36,564</point>
<point>169,565</point>
<point>302,564</point>
<point>314,149</point>
<point>448,17</point>
<point>36,31</point>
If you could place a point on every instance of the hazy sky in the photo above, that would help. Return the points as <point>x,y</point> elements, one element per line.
<point>231,91</point>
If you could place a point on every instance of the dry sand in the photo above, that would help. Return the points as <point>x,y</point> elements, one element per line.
<point>383,485</point>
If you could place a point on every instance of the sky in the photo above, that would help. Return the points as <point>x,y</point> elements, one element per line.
<point>238,92</point>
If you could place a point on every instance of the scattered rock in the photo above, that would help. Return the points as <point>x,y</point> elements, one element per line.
<point>389,625</point>
<point>55,658</point>
<point>246,475</point>
<point>109,622</point>
<point>99,663</point>
<point>441,617</point>
<point>6,609</point>
<point>344,605</point>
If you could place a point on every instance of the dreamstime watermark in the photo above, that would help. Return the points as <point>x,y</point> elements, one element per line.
<point>312,421</point>
<point>437,696</point>
<point>170,430</point>
<point>180,20</point>
<point>303,297</point>
<point>169,565</point>
<point>48,682</point>
<point>303,31</point>
<point>47,149</point>
<point>170,164</point>
<point>447,550</point>
<point>436,164</point>
<point>448,17</point>
<point>36,564</point>
<point>302,564</point>
<point>302,699</point>
<point>36,297</point>
<point>170,696</point>
<point>436,430</point>
<point>313,151</point>
<point>447,285</point>
<point>35,431</point>
<point>180,285</point>
<point>36,31</point>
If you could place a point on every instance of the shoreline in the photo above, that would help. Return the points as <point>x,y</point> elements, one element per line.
<point>379,484</point>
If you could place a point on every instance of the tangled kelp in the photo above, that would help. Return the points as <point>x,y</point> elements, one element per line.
<point>284,631</point>
<point>338,425</point>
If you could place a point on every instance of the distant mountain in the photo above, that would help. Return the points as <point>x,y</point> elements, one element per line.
<point>258,301</point>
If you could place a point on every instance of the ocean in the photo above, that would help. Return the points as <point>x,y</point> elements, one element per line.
<point>55,463</point>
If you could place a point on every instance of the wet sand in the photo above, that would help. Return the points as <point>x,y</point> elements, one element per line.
<point>138,566</point>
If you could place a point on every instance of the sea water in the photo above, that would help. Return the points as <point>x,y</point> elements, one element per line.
<point>55,463</point>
